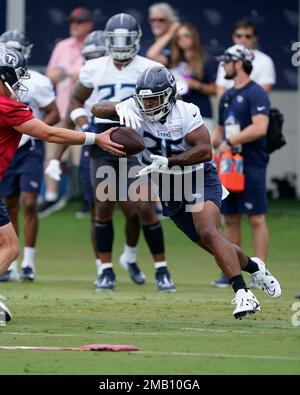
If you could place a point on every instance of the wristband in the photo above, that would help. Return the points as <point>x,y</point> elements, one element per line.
<point>78,112</point>
<point>89,138</point>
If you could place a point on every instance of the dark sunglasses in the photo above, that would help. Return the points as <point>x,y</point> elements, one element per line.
<point>161,20</point>
<point>247,36</point>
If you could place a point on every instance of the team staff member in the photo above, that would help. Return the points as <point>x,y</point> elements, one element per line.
<point>250,105</point>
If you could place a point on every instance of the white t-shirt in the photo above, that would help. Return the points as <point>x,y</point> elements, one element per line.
<point>40,94</point>
<point>263,71</point>
<point>110,83</point>
<point>169,138</point>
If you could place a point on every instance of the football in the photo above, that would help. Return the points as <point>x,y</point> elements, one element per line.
<point>130,139</point>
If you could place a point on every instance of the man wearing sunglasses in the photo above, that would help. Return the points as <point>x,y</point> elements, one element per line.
<point>164,23</point>
<point>263,73</point>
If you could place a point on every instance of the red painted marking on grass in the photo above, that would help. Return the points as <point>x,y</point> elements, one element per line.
<point>89,347</point>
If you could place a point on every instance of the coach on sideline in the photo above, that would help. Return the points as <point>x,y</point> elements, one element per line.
<point>247,105</point>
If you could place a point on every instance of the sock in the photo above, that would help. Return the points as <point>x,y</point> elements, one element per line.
<point>28,258</point>
<point>158,265</point>
<point>51,196</point>
<point>107,265</point>
<point>98,266</point>
<point>251,267</point>
<point>129,254</point>
<point>154,237</point>
<point>13,265</point>
<point>104,234</point>
<point>237,283</point>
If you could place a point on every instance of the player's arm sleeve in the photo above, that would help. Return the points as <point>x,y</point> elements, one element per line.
<point>17,113</point>
<point>192,118</point>
<point>259,102</point>
<point>86,75</point>
<point>45,95</point>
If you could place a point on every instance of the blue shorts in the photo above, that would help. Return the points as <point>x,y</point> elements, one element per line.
<point>4,218</point>
<point>253,200</point>
<point>26,170</point>
<point>212,191</point>
<point>85,175</point>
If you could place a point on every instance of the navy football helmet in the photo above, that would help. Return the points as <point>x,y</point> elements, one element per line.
<point>122,35</point>
<point>13,68</point>
<point>157,83</point>
<point>17,40</point>
<point>94,45</point>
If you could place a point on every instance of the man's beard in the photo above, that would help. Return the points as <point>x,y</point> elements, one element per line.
<point>231,76</point>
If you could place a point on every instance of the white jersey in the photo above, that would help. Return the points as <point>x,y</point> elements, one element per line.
<point>169,138</point>
<point>263,71</point>
<point>110,83</point>
<point>40,94</point>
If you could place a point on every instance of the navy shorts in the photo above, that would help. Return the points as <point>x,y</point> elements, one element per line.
<point>253,200</point>
<point>26,170</point>
<point>85,175</point>
<point>4,218</point>
<point>212,191</point>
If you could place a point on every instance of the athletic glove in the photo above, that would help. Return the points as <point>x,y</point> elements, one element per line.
<point>53,170</point>
<point>159,164</point>
<point>127,116</point>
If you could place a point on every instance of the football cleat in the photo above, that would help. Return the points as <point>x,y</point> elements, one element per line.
<point>265,281</point>
<point>135,273</point>
<point>4,311</point>
<point>10,275</point>
<point>246,303</point>
<point>164,280</point>
<point>106,280</point>
<point>28,273</point>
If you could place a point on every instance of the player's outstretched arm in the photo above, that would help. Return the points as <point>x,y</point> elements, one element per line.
<point>40,130</point>
<point>106,109</point>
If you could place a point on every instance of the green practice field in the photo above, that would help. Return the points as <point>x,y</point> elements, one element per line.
<point>190,332</point>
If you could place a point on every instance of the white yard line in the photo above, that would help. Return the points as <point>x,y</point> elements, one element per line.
<point>213,355</point>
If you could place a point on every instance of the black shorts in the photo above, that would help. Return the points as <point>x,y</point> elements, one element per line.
<point>4,218</point>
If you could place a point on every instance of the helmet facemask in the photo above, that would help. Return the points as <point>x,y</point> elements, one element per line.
<point>14,84</point>
<point>156,113</point>
<point>122,44</point>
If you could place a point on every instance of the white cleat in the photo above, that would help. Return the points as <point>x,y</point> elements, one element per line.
<point>246,303</point>
<point>5,314</point>
<point>265,281</point>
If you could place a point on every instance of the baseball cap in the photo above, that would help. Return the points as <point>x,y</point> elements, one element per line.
<point>236,52</point>
<point>80,14</point>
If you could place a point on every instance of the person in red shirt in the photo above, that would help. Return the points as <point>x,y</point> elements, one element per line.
<point>17,118</point>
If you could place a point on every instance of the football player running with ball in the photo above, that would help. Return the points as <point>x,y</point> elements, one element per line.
<point>175,135</point>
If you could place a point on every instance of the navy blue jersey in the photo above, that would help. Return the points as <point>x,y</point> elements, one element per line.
<point>245,103</point>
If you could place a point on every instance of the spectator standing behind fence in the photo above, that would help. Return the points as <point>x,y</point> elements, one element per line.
<point>164,22</point>
<point>63,70</point>
<point>190,60</point>
<point>263,73</point>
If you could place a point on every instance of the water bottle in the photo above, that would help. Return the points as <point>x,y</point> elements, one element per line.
<point>232,127</point>
<point>239,163</point>
<point>226,163</point>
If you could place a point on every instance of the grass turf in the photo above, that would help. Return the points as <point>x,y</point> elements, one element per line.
<point>190,332</point>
